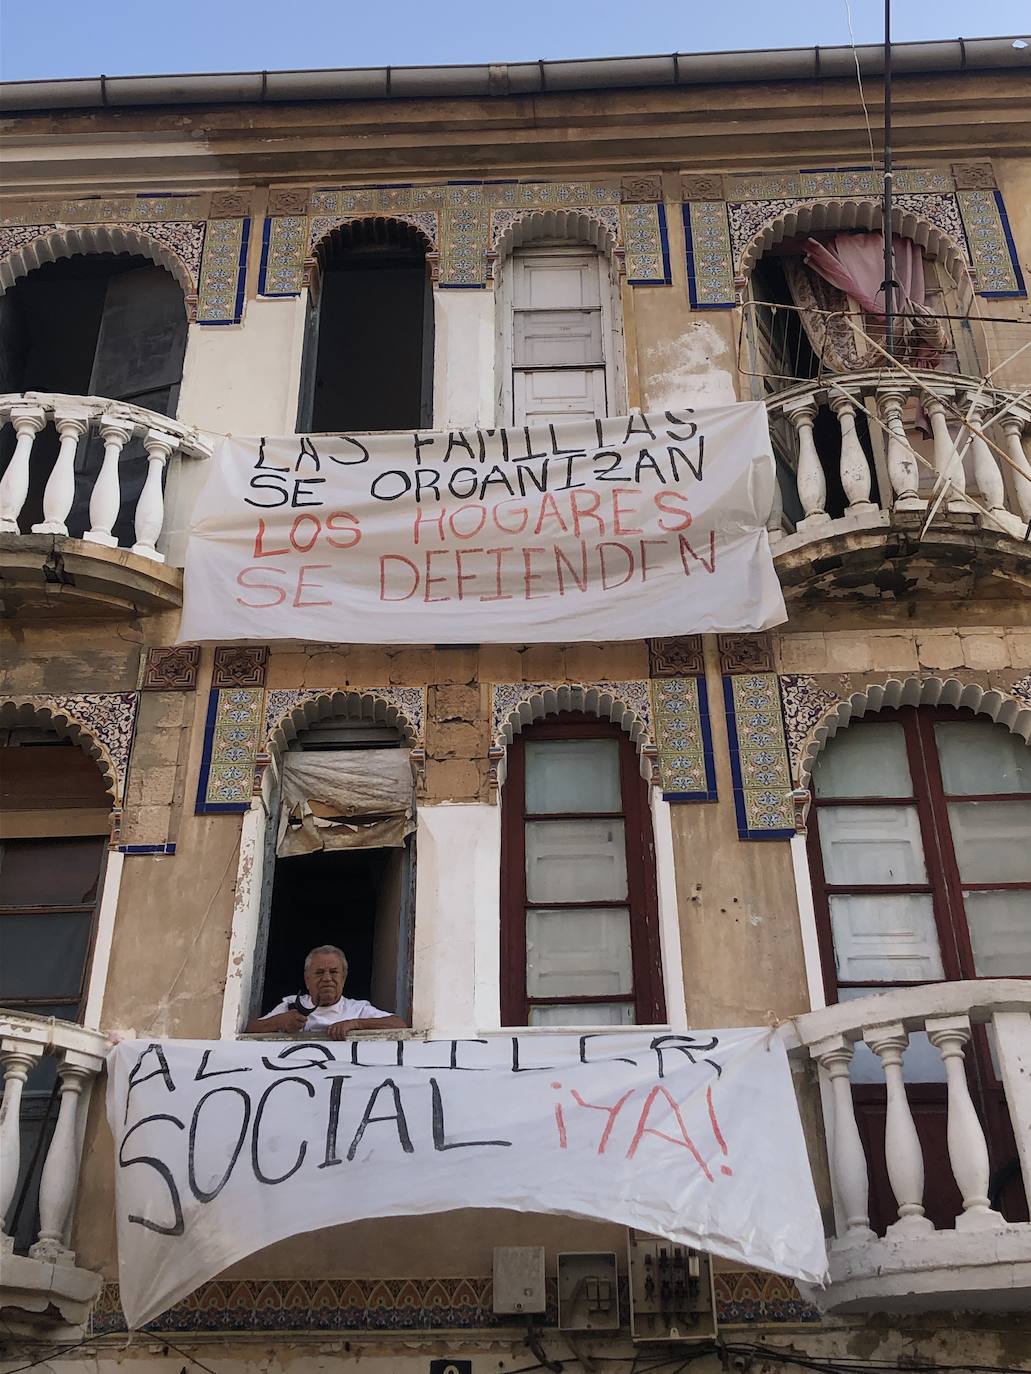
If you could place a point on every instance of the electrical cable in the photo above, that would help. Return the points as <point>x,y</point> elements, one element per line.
<point>859,82</point>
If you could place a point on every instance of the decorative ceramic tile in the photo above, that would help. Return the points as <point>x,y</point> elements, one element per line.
<point>645,244</point>
<point>747,217</point>
<point>941,210</point>
<point>701,186</point>
<point>683,738</point>
<point>409,702</point>
<point>185,238</point>
<point>463,259</point>
<point>109,209</point>
<point>513,702</point>
<point>1022,690</point>
<point>232,735</point>
<point>804,703</point>
<point>763,186</point>
<point>758,757</point>
<point>639,190</point>
<point>15,236</point>
<point>745,653</point>
<point>230,205</point>
<point>973,176</point>
<point>223,272</point>
<point>107,718</point>
<point>171,670</point>
<point>681,656</point>
<point>710,262</point>
<point>239,666</point>
<point>857,182</point>
<point>284,246</point>
<point>992,249</point>
<point>426,221</point>
<point>289,201</point>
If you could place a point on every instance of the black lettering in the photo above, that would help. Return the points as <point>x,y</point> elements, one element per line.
<point>426,477</point>
<point>259,1174</point>
<point>676,419</point>
<point>380,477</point>
<point>202,1072</point>
<point>268,482</point>
<point>350,462</point>
<point>529,454</point>
<point>456,439</point>
<point>397,1117</point>
<point>563,452</point>
<point>613,473</point>
<point>496,474</point>
<point>646,459</point>
<point>204,1194</point>
<point>440,1141</point>
<point>523,473</point>
<point>607,1060</point>
<point>686,1045</point>
<point>328,1057</point>
<point>473,480</point>
<point>301,485</point>
<point>337,1086</point>
<point>269,467</point>
<point>421,444</point>
<point>528,1068</point>
<point>569,484</point>
<point>696,469</point>
<point>178,1225</point>
<point>643,428</point>
<point>162,1071</point>
<point>308,450</point>
<point>453,1057</point>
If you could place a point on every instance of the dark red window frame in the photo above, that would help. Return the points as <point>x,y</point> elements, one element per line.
<point>647,996</point>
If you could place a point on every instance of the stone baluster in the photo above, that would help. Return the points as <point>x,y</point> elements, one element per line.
<point>14,486</point>
<point>854,465</point>
<point>903,472</point>
<point>809,475</point>
<point>60,488</point>
<point>902,1151</point>
<point>968,1153</point>
<point>150,508</point>
<point>17,1058</point>
<point>947,461</point>
<point>775,519</point>
<point>987,476</point>
<point>1013,424</point>
<point>107,491</point>
<point>848,1159</point>
<point>60,1176</point>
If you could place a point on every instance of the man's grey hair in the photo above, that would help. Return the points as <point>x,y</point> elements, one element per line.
<point>326,949</point>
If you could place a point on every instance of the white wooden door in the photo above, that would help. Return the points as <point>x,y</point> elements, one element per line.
<point>558,336</point>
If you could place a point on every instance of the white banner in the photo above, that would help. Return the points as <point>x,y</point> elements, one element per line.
<point>587,530</point>
<point>223,1148</point>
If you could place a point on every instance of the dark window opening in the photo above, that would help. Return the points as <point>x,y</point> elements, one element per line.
<point>369,346</point>
<point>104,324</point>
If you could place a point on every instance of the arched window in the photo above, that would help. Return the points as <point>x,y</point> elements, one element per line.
<point>920,852</point>
<point>560,325</point>
<point>580,939</point>
<point>368,354</point>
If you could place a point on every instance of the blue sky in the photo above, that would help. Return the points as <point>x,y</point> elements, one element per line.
<point>87,37</point>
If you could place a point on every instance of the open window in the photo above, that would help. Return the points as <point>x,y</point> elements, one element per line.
<point>580,941</point>
<point>344,865</point>
<point>368,354</point>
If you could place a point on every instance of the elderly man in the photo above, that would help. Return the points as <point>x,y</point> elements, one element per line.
<point>325,1008</point>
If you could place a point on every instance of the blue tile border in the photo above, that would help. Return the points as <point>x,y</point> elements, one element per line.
<point>762,786</point>
<point>692,254</point>
<point>232,732</point>
<point>146,849</point>
<point>683,738</point>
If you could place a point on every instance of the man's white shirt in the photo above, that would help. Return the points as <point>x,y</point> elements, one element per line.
<point>346,1009</point>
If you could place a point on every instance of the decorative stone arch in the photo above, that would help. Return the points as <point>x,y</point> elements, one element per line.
<point>599,226</point>
<point>48,713</point>
<point>937,228</point>
<point>290,712</point>
<point>425,223</point>
<point>829,714</point>
<point>65,241</point>
<point>514,705</point>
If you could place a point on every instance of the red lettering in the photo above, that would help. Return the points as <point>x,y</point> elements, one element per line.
<point>294,540</point>
<point>463,577</point>
<point>350,530</point>
<point>302,586</point>
<point>431,554</point>
<point>662,500</point>
<point>584,512</point>
<point>421,518</point>
<point>618,512</point>
<point>528,575</point>
<point>606,584</point>
<point>685,1140</point>
<point>686,549</point>
<point>259,544</point>
<point>581,580</point>
<point>549,511</point>
<point>260,587</point>
<point>396,558</point>
<point>644,554</point>
<point>469,534</point>
<point>498,595</point>
<point>612,1111</point>
<point>507,529</point>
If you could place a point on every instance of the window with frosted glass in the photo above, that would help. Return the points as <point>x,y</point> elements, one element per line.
<point>579,918</point>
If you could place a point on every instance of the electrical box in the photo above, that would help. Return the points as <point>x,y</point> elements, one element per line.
<point>671,1291</point>
<point>588,1291</point>
<point>519,1280</point>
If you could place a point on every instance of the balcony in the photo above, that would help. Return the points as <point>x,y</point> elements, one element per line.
<point>894,481</point>
<point>90,493</point>
<point>979,1262</point>
<point>49,1069</point>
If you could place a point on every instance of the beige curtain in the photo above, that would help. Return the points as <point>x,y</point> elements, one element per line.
<point>345,799</point>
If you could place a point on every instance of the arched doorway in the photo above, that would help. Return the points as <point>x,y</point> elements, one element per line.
<point>920,855</point>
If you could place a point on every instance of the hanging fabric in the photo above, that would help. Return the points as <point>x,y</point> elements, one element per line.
<point>345,799</point>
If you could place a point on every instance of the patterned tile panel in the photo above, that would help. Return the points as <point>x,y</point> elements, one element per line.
<point>171,669</point>
<point>519,699</point>
<point>410,702</point>
<point>804,703</point>
<point>646,244</point>
<point>710,261</point>
<point>108,718</point>
<point>223,272</point>
<point>232,736</point>
<point>758,757</point>
<point>992,249</point>
<point>239,666</point>
<point>677,656</point>
<point>683,737</point>
<point>284,246</point>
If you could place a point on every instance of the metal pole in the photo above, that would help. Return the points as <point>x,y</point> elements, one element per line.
<point>888,285</point>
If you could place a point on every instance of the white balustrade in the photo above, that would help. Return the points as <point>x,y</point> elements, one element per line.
<point>968,1150</point>
<point>987,477</point>
<point>854,466</point>
<point>1013,425</point>
<point>902,1151</point>
<point>948,461</point>
<point>80,1059</point>
<point>848,1158</point>
<point>903,469</point>
<point>74,421</point>
<point>809,475</point>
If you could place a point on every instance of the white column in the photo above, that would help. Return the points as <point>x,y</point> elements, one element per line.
<point>987,476</point>
<point>60,1176</point>
<point>775,519</point>
<point>848,1158</point>
<point>854,465</point>
<point>947,462</point>
<point>107,491</point>
<point>1013,1048</point>
<point>968,1153</point>
<point>809,477</point>
<point>150,508</point>
<point>71,425</point>
<point>902,1151</point>
<point>18,1059</point>
<point>14,486</point>
<point>902,465</point>
<point>1013,426</point>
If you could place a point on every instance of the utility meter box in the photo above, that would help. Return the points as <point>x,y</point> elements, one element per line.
<point>671,1291</point>
<point>519,1280</point>
<point>588,1291</point>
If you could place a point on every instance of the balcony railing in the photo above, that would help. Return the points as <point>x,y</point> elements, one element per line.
<point>49,438</point>
<point>858,450</point>
<point>40,1145</point>
<point>983,1260</point>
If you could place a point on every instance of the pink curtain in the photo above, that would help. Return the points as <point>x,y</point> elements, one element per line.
<point>855,264</point>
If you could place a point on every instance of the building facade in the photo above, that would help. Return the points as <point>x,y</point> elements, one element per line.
<point>823,828</point>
